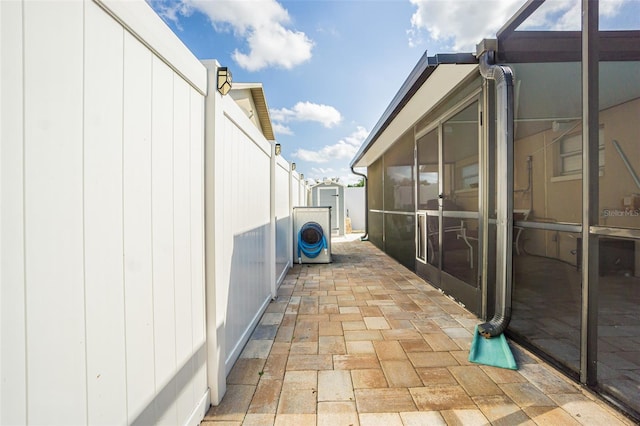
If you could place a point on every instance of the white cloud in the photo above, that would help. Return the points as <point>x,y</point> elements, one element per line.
<point>464,23</point>
<point>281,129</point>
<point>327,115</point>
<point>349,178</point>
<point>171,11</point>
<point>274,46</point>
<point>344,149</point>
<point>262,23</point>
<point>415,37</point>
<point>339,151</point>
<point>322,171</point>
<point>565,15</point>
<point>356,138</point>
<point>610,8</point>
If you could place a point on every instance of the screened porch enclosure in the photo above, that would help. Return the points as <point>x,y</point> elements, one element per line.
<point>576,196</point>
<point>548,265</point>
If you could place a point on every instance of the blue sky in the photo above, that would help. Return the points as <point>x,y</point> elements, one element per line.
<point>330,67</point>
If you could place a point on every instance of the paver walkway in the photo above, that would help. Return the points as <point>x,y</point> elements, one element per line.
<point>364,341</point>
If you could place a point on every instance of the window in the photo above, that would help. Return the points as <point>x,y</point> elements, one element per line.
<point>570,161</point>
<point>469,176</point>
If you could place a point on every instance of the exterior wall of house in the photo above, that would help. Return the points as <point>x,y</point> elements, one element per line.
<point>556,198</point>
<point>102,260</point>
<point>244,99</point>
<point>619,192</point>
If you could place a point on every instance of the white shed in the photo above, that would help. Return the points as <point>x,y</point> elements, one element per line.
<point>331,193</point>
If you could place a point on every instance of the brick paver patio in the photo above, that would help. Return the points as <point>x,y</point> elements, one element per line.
<point>364,341</point>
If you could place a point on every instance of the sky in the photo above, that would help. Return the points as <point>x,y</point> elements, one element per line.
<point>329,68</point>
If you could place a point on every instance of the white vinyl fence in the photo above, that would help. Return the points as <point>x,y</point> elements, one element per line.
<point>354,204</point>
<point>102,225</point>
<point>107,180</point>
<point>248,216</point>
<point>284,230</point>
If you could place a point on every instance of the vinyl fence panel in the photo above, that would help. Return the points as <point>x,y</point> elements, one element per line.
<point>282,198</point>
<point>239,237</point>
<point>102,219</point>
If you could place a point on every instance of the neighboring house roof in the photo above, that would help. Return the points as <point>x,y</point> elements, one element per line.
<point>260,102</point>
<point>429,82</point>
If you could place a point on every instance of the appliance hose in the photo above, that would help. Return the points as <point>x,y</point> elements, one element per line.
<point>311,241</point>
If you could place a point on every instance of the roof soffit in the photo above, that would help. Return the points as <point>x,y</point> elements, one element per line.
<point>262,110</point>
<point>442,81</point>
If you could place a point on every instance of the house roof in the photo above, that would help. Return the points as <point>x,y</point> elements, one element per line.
<point>427,84</point>
<point>328,182</point>
<point>262,110</point>
<point>434,77</point>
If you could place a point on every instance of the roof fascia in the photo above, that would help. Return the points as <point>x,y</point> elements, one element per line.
<point>565,46</point>
<point>260,101</point>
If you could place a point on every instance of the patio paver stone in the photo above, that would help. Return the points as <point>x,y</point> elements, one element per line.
<point>364,341</point>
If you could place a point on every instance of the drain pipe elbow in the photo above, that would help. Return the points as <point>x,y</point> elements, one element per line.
<point>365,237</point>
<point>501,74</point>
<point>496,325</point>
<point>503,77</point>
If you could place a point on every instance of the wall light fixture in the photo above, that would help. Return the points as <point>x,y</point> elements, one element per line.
<point>224,80</point>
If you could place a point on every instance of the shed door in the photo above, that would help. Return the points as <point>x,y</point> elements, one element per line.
<point>329,197</point>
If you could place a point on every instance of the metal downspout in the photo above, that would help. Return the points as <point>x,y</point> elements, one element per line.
<point>365,237</point>
<point>503,77</point>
